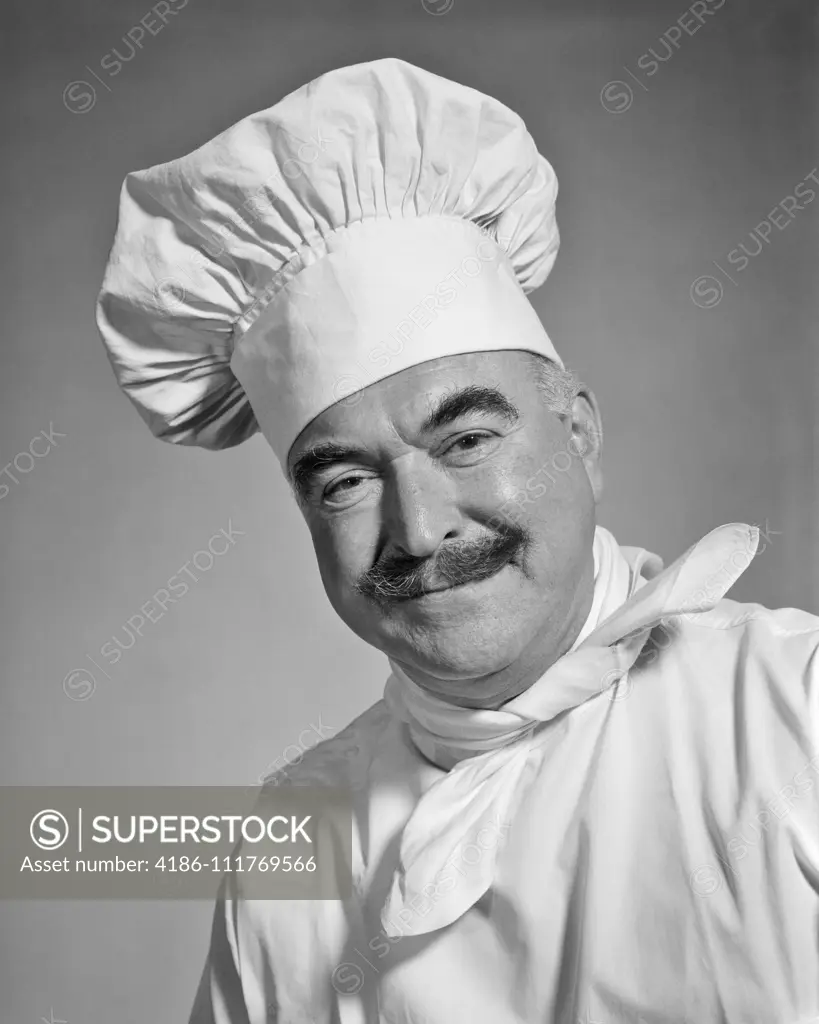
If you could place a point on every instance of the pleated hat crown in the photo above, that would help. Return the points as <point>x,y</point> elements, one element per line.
<point>376,218</point>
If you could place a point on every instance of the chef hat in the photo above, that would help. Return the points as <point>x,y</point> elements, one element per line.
<point>374,219</point>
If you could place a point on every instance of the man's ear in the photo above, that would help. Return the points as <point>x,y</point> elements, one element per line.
<point>586,438</point>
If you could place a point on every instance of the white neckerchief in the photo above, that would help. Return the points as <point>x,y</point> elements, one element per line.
<point>487,750</point>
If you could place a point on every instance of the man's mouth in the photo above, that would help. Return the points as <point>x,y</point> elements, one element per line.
<point>443,585</point>
<point>437,588</point>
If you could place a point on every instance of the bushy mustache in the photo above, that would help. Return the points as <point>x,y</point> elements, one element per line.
<point>403,577</point>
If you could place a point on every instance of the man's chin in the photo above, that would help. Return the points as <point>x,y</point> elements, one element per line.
<point>461,632</point>
<point>467,648</point>
<point>452,666</point>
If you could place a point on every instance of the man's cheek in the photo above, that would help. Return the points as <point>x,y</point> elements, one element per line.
<point>342,555</point>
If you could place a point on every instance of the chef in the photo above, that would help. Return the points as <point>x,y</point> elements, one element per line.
<point>589,793</point>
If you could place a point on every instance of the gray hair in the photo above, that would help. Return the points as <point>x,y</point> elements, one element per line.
<point>559,387</point>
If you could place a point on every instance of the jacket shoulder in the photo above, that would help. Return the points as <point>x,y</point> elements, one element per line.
<point>773,623</point>
<point>782,643</point>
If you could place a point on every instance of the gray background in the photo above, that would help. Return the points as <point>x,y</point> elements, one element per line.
<point>710,413</point>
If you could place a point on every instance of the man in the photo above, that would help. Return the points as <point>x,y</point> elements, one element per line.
<point>589,793</point>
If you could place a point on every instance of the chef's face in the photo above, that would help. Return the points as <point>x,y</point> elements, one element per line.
<point>452,515</point>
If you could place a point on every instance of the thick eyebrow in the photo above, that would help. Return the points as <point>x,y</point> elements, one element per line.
<point>470,399</point>
<point>315,458</point>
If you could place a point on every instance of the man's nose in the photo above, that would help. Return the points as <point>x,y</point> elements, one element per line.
<point>420,507</point>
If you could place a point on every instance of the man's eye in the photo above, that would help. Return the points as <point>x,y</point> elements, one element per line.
<point>468,442</point>
<point>343,486</point>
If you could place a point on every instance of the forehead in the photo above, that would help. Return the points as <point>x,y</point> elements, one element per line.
<point>402,401</point>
